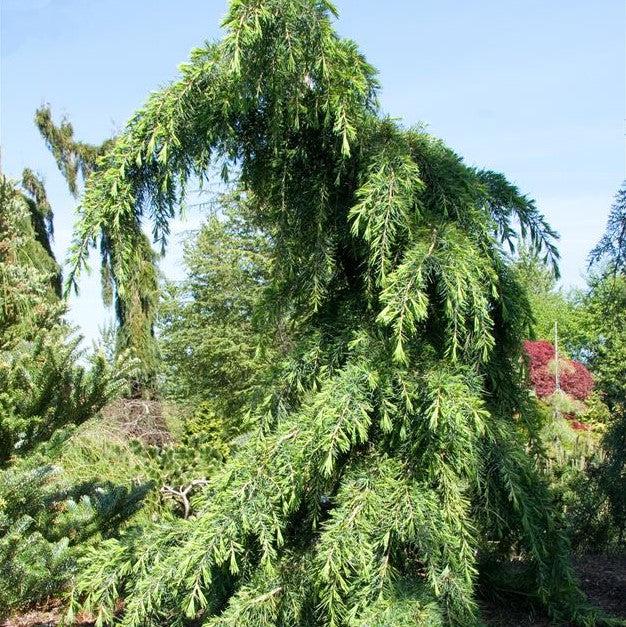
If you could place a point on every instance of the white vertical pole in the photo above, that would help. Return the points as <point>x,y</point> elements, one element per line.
<point>556,354</point>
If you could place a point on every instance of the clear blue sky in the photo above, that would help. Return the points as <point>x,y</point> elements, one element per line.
<point>533,88</point>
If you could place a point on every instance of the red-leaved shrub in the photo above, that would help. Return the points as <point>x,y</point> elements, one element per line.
<point>539,352</point>
<point>579,426</point>
<point>575,379</point>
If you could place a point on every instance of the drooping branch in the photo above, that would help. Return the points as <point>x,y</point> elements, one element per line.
<point>134,299</point>
<point>405,328</point>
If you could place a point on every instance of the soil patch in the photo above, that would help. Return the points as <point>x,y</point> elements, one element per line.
<point>48,614</point>
<point>602,577</point>
<point>139,419</point>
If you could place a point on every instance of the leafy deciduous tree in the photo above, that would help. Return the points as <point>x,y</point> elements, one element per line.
<point>605,322</point>
<point>550,304</point>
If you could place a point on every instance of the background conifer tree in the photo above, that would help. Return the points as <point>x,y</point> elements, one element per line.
<point>34,195</point>
<point>136,299</point>
<point>47,388</point>
<point>611,249</point>
<point>208,334</point>
<point>392,463</point>
<point>42,387</point>
<point>605,319</point>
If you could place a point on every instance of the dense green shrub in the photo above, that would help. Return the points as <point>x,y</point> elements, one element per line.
<point>181,468</point>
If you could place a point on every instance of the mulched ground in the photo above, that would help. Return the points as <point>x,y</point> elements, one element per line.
<point>48,615</point>
<point>603,578</point>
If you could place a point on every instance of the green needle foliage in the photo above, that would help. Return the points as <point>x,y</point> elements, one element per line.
<point>42,220</point>
<point>42,387</point>
<point>392,458</point>
<point>612,247</point>
<point>26,216</point>
<point>605,321</point>
<point>208,339</point>
<point>46,525</point>
<point>134,301</point>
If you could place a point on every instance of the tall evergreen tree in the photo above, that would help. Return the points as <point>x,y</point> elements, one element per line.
<point>605,310</point>
<point>393,463</point>
<point>136,299</point>
<point>32,193</point>
<point>208,338</point>
<point>42,387</point>
<point>611,249</point>
<point>29,273</point>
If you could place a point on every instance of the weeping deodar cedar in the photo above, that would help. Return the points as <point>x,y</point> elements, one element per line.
<point>391,458</point>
